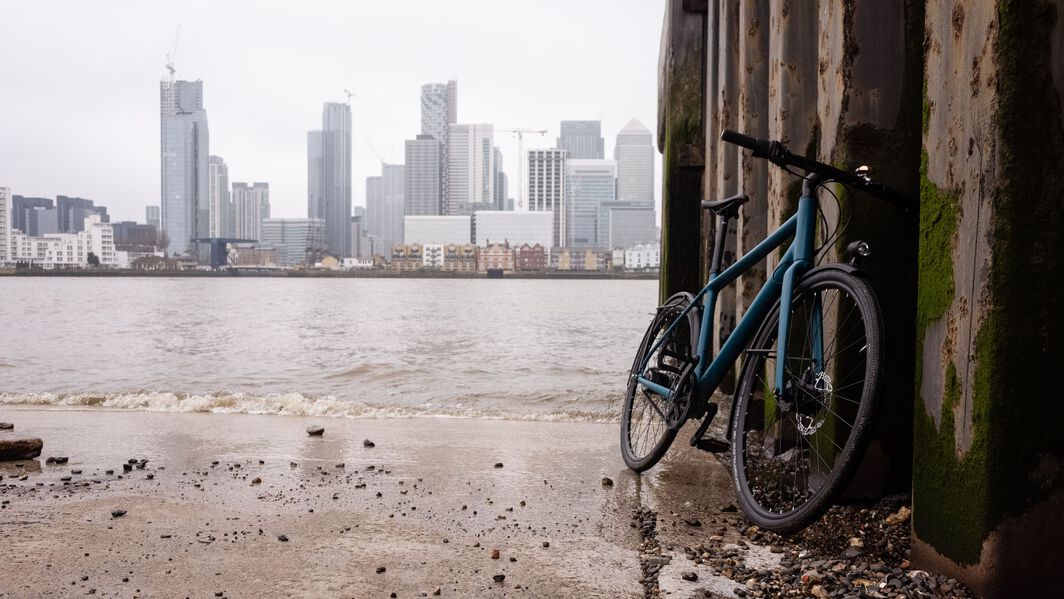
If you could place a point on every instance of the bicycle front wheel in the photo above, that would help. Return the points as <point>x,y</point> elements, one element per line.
<point>794,449</point>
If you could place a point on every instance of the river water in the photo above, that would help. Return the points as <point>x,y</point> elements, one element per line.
<point>522,349</point>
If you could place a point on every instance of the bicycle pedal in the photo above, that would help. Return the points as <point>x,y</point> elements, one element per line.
<point>712,445</point>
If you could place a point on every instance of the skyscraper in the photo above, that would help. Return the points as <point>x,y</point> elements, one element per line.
<point>546,188</point>
<point>151,216</point>
<point>314,181</point>
<point>185,187</point>
<point>439,110</point>
<point>589,184</point>
<point>582,139</point>
<point>329,185</point>
<point>471,174</point>
<point>423,176</point>
<point>220,204</point>
<point>384,205</point>
<point>634,154</point>
<point>251,206</point>
<point>5,225</point>
<point>499,196</point>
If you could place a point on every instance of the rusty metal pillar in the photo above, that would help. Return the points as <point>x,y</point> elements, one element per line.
<point>988,481</point>
<point>681,140</point>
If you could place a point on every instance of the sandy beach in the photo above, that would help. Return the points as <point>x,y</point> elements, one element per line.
<point>237,505</point>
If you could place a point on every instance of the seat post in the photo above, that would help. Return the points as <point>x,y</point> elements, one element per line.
<point>719,238</point>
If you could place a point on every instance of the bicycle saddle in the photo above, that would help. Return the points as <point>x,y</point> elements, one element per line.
<point>728,207</point>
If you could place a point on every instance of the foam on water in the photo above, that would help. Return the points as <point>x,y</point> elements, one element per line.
<point>296,404</point>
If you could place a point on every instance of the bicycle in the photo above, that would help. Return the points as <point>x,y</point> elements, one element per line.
<point>799,424</point>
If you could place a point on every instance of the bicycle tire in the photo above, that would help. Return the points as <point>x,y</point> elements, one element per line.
<point>761,467</point>
<point>674,370</point>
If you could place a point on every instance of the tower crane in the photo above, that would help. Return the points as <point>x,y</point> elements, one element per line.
<point>520,133</point>
<point>171,56</point>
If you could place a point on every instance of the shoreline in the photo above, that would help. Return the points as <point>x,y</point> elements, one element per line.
<point>329,274</point>
<point>239,505</point>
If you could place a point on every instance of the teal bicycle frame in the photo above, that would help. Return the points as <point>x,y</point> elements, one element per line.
<point>710,370</point>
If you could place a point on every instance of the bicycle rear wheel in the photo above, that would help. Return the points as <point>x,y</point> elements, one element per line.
<point>795,449</point>
<point>649,421</point>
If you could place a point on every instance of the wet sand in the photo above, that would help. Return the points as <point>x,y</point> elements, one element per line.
<point>427,504</point>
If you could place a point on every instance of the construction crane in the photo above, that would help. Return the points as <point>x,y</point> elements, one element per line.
<point>349,96</point>
<point>171,56</point>
<point>520,133</point>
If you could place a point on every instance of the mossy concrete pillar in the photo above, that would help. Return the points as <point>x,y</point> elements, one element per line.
<point>869,110</point>
<point>988,483</point>
<point>681,140</point>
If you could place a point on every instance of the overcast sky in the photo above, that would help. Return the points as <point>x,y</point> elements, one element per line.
<point>79,83</point>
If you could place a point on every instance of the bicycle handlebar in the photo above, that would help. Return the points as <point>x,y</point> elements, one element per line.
<point>776,153</point>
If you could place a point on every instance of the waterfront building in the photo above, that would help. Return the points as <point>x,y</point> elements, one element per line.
<point>385,197</point>
<point>623,224</point>
<point>251,256</point>
<point>580,260</point>
<point>94,238</point>
<point>513,227</point>
<point>531,258</point>
<point>220,204</point>
<point>470,178</point>
<point>297,241</point>
<point>424,177</point>
<point>251,206</point>
<point>439,110</point>
<point>590,183</point>
<point>360,239</point>
<point>406,257</point>
<point>634,154</point>
<point>5,225</point>
<point>642,257</point>
<point>582,140</point>
<point>329,177</point>
<point>185,187</point>
<point>495,256</point>
<point>135,239</point>
<point>152,217</point>
<point>546,188</point>
<point>437,229</point>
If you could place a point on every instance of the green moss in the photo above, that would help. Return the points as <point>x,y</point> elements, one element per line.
<point>939,211</point>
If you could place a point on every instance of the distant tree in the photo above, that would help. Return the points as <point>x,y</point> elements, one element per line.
<point>94,260</point>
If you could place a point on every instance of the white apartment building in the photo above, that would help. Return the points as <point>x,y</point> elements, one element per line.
<point>5,225</point>
<point>546,188</point>
<point>515,228</point>
<point>436,229</point>
<point>642,257</point>
<point>471,167</point>
<point>70,250</point>
<point>220,208</point>
<point>251,206</point>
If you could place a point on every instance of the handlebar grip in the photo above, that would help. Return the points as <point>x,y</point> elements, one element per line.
<point>762,147</point>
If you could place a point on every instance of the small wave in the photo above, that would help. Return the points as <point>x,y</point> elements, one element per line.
<point>290,404</point>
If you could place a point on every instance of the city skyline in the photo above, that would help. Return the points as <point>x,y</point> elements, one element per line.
<point>264,140</point>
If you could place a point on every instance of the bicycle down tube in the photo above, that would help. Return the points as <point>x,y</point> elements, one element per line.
<point>710,370</point>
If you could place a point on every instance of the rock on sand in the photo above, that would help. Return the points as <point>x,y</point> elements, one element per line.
<point>20,449</point>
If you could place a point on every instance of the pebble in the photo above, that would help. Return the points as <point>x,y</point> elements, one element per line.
<point>494,554</point>
<point>256,481</point>
<point>118,513</point>
<point>315,431</point>
<point>368,443</point>
<point>607,481</point>
<point>282,538</point>
<point>6,426</point>
<point>546,543</point>
<point>498,464</point>
<point>437,591</point>
<point>381,569</point>
<point>499,577</point>
<point>689,576</point>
